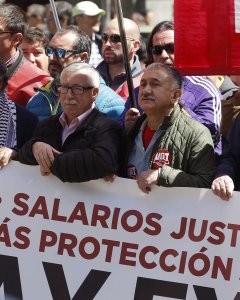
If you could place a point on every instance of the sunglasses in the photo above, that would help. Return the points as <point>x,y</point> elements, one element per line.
<point>113,38</point>
<point>59,52</point>
<point>157,50</point>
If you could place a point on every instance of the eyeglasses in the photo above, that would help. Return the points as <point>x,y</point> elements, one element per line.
<point>114,38</point>
<point>59,52</point>
<point>157,50</point>
<point>76,90</point>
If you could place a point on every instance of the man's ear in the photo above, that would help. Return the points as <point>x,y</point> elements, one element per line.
<point>177,93</point>
<point>95,92</point>
<point>84,56</point>
<point>17,39</point>
<point>136,44</point>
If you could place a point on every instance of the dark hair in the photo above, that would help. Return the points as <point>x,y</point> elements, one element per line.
<point>3,75</point>
<point>14,17</point>
<point>34,34</point>
<point>160,27</point>
<point>171,71</point>
<point>82,42</point>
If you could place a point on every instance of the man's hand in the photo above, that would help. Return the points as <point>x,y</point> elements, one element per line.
<point>146,179</point>
<point>44,155</point>
<point>6,155</point>
<point>130,117</point>
<point>223,187</point>
<point>110,178</point>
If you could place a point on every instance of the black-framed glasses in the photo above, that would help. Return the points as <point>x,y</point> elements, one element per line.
<point>157,50</point>
<point>76,89</point>
<point>59,52</point>
<point>113,38</point>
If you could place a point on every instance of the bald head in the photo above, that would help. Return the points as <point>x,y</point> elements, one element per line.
<point>131,28</point>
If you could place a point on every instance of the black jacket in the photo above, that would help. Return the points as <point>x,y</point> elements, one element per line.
<point>26,123</point>
<point>91,152</point>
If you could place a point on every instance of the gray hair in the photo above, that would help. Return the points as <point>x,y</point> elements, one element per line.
<point>84,68</point>
<point>171,71</point>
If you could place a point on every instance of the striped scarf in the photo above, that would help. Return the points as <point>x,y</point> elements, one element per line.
<point>7,122</point>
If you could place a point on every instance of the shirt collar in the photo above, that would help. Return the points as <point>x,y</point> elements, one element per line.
<point>77,121</point>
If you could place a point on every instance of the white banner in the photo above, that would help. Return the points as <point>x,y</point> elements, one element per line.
<point>109,241</point>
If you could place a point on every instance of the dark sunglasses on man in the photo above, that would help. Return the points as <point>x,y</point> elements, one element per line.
<point>113,38</point>
<point>59,52</point>
<point>157,50</point>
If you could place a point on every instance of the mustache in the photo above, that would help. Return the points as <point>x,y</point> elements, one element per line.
<point>108,49</point>
<point>146,97</point>
<point>54,63</point>
<point>70,102</point>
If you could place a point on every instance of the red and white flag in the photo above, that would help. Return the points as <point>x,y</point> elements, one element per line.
<point>207,36</point>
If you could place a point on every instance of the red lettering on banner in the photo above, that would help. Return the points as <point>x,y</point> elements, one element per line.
<point>96,248</point>
<point>20,235</point>
<point>156,226</point>
<point>19,200</point>
<point>100,213</point>
<point>110,245</point>
<point>67,242</point>
<point>48,239</point>
<point>79,214</point>
<point>131,214</point>
<point>125,253</point>
<point>55,212</point>
<point>143,254</point>
<point>40,208</point>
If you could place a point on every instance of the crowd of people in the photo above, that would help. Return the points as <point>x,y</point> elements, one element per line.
<point>65,103</point>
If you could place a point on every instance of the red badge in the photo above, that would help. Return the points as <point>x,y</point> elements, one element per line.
<point>160,158</point>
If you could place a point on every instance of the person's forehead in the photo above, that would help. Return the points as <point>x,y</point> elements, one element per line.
<point>163,37</point>
<point>32,45</point>
<point>3,23</point>
<point>65,41</point>
<point>154,74</point>
<point>112,28</point>
<point>79,75</point>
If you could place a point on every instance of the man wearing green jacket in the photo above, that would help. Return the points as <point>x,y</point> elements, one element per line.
<point>166,146</point>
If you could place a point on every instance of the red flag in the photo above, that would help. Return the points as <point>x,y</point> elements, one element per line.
<point>207,36</point>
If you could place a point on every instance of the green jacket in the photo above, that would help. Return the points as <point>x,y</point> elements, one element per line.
<point>184,151</point>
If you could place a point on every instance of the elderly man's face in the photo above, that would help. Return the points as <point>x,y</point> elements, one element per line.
<point>156,94</point>
<point>76,104</point>
<point>165,53</point>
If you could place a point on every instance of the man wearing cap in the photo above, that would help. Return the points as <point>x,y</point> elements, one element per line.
<point>87,16</point>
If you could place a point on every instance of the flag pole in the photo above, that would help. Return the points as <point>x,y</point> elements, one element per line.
<point>55,15</point>
<point>118,8</point>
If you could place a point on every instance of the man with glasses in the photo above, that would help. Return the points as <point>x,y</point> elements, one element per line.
<point>23,76</point>
<point>201,99</point>
<point>80,144</point>
<point>112,68</point>
<point>68,45</point>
